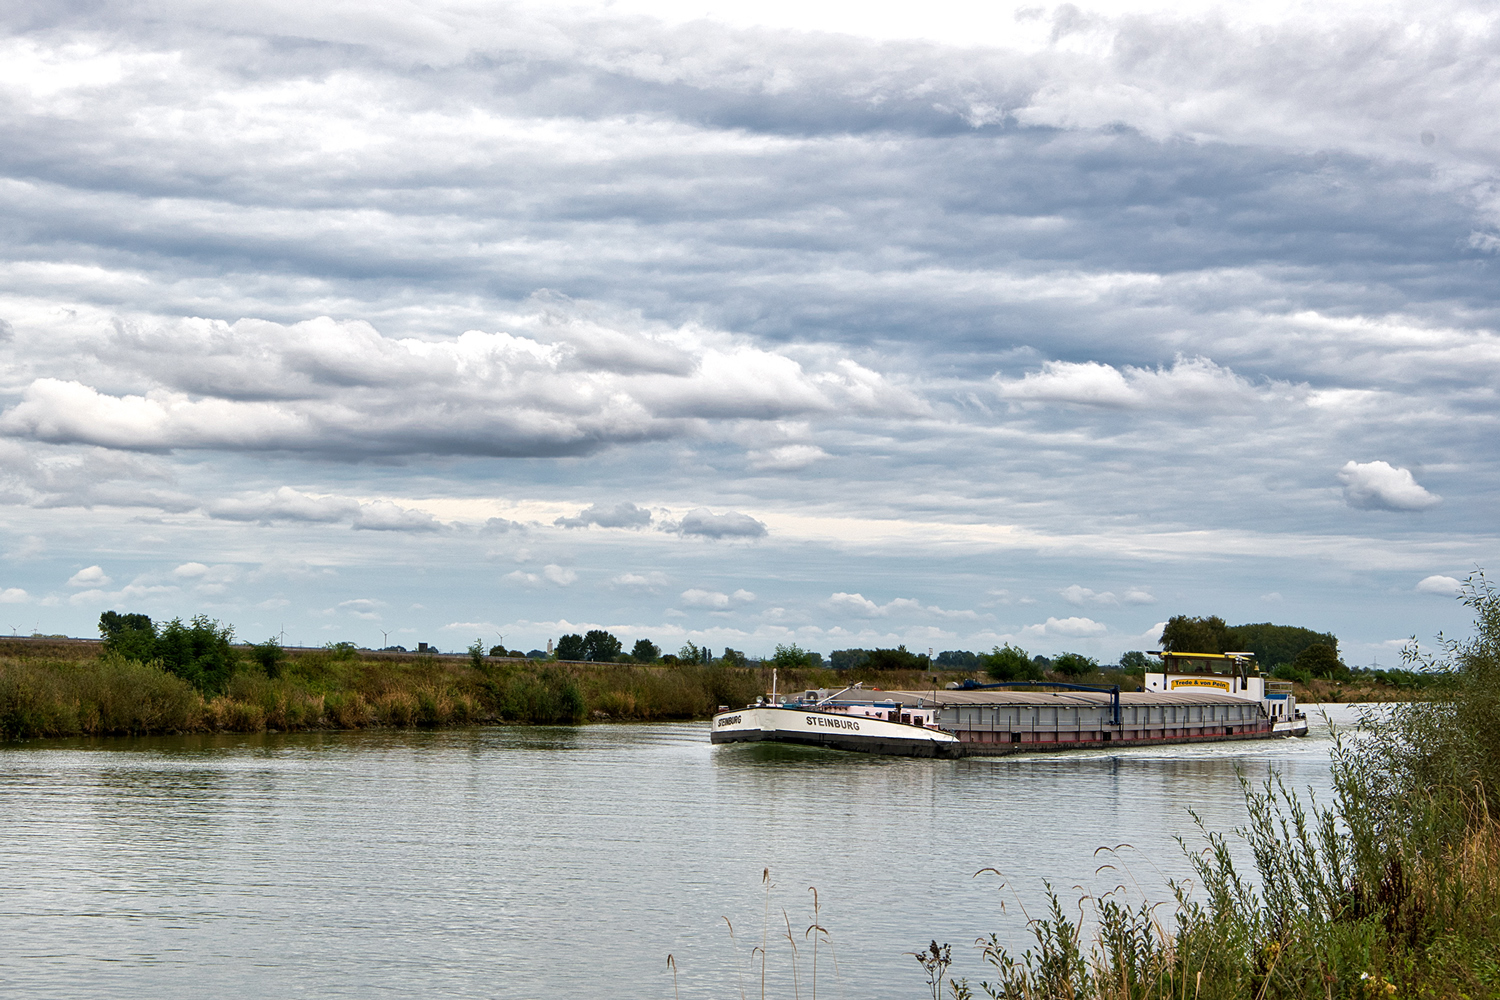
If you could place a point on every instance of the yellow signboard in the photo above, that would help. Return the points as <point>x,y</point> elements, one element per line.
<point>1199,682</point>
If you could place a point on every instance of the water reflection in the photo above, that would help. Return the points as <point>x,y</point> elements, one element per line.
<point>556,861</point>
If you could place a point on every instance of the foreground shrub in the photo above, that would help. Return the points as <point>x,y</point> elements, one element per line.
<point>1392,891</point>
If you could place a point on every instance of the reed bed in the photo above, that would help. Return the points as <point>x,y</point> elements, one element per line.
<point>70,690</point>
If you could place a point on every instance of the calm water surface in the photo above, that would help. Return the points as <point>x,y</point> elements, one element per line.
<point>549,862</point>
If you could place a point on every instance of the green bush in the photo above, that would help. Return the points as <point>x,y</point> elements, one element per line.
<point>1010,663</point>
<point>1075,665</point>
<point>200,652</point>
<point>132,636</point>
<point>269,655</point>
<point>548,698</point>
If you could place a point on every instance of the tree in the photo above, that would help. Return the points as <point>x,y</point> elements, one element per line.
<point>1010,663</point>
<point>897,659</point>
<point>790,655</point>
<point>1134,662</point>
<point>733,657</point>
<point>201,653</point>
<point>570,647</point>
<point>1182,634</point>
<point>600,646</point>
<point>1075,665</point>
<point>1321,660</point>
<point>501,651</point>
<point>1273,644</point>
<point>958,659</point>
<point>132,636</point>
<point>645,651</point>
<point>691,652</point>
<point>849,659</point>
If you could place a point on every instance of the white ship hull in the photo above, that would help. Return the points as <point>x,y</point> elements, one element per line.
<point>1290,727</point>
<point>832,730</point>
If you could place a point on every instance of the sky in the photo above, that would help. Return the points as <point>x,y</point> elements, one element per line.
<point>829,324</point>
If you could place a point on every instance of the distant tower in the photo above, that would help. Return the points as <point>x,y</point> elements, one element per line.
<point>549,647</point>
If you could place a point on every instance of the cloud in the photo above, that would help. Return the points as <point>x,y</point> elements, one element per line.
<point>651,582</point>
<point>1444,586</point>
<point>622,515</point>
<point>14,595</point>
<point>786,458</point>
<point>1194,382</point>
<point>1082,595</point>
<point>333,388</point>
<point>1137,595</point>
<point>1072,628</point>
<point>91,576</point>
<point>704,523</point>
<point>1379,486</point>
<point>862,607</point>
<point>287,504</point>
<point>382,515</point>
<point>283,504</point>
<point>698,598</point>
<point>552,574</point>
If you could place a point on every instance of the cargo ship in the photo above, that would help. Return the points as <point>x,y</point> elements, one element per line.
<point>1193,698</point>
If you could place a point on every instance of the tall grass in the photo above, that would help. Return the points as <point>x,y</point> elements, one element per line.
<point>65,690</point>
<point>1392,890</point>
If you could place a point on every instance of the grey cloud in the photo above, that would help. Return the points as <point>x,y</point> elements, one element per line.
<point>622,515</point>
<point>7,332</point>
<point>287,504</point>
<point>704,523</point>
<point>342,388</point>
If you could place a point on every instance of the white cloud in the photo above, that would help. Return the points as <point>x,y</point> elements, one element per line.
<point>91,576</point>
<point>1067,627</point>
<point>1195,382</point>
<point>1445,586</point>
<point>649,582</point>
<point>14,595</point>
<point>382,515</point>
<point>1379,486</point>
<point>329,387</point>
<point>551,574</point>
<point>1083,595</point>
<point>697,598</point>
<point>863,607</point>
<point>1138,595</point>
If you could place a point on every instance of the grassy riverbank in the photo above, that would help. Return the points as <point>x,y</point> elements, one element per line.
<point>77,689</point>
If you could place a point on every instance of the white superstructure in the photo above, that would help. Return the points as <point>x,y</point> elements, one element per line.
<point>1234,674</point>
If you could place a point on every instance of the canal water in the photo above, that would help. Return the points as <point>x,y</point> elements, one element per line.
<point>566,862</point>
